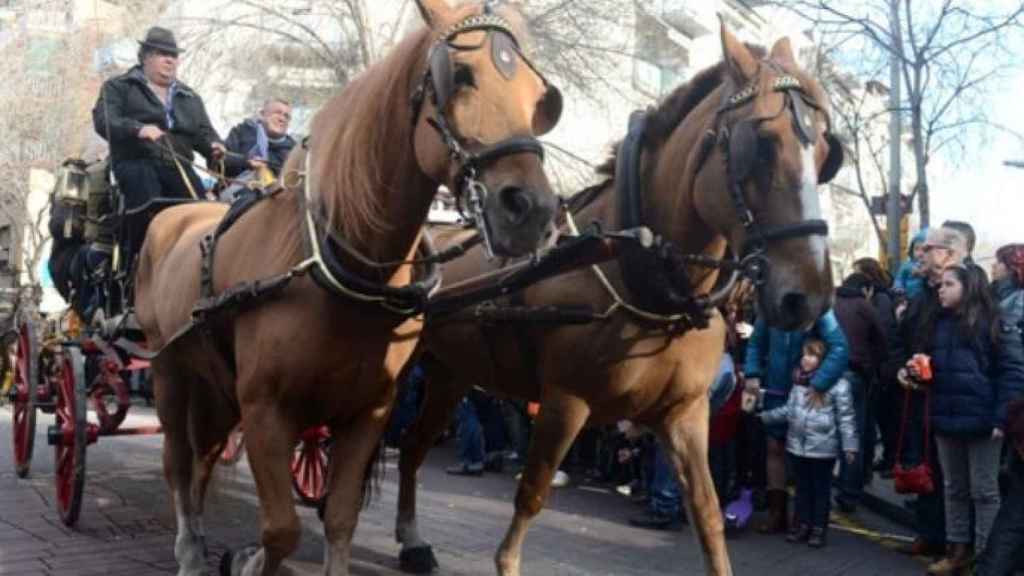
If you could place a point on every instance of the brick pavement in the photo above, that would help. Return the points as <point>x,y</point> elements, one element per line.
<point>126,526</point>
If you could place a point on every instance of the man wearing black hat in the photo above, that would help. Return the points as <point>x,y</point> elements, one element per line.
<point>154,123</point>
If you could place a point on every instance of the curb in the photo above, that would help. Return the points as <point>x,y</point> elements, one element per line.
<point>890,511</point>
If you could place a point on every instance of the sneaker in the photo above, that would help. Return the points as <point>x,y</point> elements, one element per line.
<point>475,469</point>
<point>559,480</point>
<point>655,521</point>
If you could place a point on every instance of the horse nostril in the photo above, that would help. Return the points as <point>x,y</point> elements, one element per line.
<point>516,203</point>
<point>794,305</point>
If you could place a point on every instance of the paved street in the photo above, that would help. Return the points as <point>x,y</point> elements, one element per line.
<point>126,526</point>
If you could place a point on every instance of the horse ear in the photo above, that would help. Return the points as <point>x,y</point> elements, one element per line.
<point>782,51</point>
<point>741,63</point>
<point>433,11</point>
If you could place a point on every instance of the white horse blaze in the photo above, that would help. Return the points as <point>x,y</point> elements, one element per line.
<point>809,203</point>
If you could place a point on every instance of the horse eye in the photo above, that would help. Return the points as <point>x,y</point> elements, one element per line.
<point>463,76</point>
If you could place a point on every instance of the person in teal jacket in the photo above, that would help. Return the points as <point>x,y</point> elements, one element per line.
<point>772,354</point>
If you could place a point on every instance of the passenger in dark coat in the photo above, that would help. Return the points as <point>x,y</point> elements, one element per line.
<point>262,140</point>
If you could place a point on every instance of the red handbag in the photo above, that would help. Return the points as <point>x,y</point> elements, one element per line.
<point>916,479</point>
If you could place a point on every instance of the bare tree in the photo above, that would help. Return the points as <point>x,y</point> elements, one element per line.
<point>950,55</point>
<point>48,92</point>
<point>583,43</point>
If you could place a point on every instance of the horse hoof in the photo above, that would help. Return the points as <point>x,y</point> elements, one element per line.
<point>418,560</point>
<point>230,560</point>
<point>225,563</point>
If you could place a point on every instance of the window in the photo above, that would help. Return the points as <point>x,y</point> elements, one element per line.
<point>659,60</point>
<point>5,248</point>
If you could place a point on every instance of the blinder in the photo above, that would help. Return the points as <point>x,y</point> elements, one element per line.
<point>442,76</point>
<point>549,110</point>
<point>743,149</point>
<point>740,147</point>
<point>503,54</point>
<point>834,160</point>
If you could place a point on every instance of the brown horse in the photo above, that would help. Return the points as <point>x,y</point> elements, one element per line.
<point>455,103</point>
<point>631,364</point>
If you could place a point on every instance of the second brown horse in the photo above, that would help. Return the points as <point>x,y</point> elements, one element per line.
<point>637,366</point>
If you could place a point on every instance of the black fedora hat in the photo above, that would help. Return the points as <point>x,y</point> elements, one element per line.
<point>161,39</point>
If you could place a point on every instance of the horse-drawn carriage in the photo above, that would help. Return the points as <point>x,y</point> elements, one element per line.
<point>80,370</point>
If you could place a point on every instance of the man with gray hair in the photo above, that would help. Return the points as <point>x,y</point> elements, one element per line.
<point>943,247</point>
<point>260,141</point>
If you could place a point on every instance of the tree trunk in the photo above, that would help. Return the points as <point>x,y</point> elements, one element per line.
<point>920,166</point>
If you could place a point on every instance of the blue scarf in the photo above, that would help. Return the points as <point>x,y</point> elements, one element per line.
<point>169,105</point>
<point>261,150</point>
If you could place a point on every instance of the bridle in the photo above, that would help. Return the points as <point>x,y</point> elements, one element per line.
<point>437,82</point>
<point>738,145</point>
<point>658,276</point>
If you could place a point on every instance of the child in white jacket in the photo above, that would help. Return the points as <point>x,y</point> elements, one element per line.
<point>816,422</point>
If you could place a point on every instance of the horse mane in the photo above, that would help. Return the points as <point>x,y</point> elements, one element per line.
<point>671,112</point>
<point>356,132</point>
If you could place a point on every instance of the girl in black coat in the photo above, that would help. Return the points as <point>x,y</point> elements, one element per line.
<point>960,334</point>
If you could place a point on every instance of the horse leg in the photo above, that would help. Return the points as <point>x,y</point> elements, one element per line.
<point>172,401</point>
<point>354,447</point>
<point>211,422</point>
<point>442,395</point>
<point>560,420</point>
<point>270,440</point>
<point>685,433</point>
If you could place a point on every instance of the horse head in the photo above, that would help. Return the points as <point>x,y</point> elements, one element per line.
<point>772,137</point>
<point>477,112</point>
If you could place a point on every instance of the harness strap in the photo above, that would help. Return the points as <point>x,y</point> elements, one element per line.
<point>328,272</point>
<point>617,300</point>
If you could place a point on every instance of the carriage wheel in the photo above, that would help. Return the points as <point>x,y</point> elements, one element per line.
<point>309,465</point>
<point>23,396</point>
<point>233,448</point>
<point>71,435</point>
<point>109,396</point>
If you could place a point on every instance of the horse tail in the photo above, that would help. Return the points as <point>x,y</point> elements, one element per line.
<point>373,475</point>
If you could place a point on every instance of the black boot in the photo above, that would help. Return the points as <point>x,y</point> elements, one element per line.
<point>817,537</point>
<point>798,533</point>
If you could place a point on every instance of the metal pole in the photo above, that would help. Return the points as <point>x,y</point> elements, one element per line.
<point>893,212</point>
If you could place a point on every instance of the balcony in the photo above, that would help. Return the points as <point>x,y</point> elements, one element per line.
<point>683,17</point>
